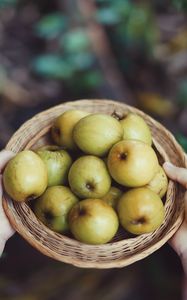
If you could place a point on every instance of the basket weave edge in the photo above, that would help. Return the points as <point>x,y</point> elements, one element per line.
<point>98,265</point>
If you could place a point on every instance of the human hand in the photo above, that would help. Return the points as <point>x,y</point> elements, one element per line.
<point>179,241</point>
<point>6,230</point>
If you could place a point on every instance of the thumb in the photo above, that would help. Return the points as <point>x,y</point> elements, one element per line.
<point>1,189</point>
<point>176,173</point>
<point>5,156</point>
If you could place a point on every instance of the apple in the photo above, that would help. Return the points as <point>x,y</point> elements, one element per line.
<point>25,176</point>
<point>92,221</point>
<point>140,210</point>
<point>62,129</point>
<point>112,196</point>
<point>89,178</point>
<point>135,128</point>
<point>53,206</point>
<point>97,133</point>
<point>159,183</point>
<point>132,163</point>
<point>58,163</point>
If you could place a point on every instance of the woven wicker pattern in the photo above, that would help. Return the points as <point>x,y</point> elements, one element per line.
<point>123,250</point>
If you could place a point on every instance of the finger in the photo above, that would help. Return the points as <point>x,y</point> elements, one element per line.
<point>1,188</point>
<point>179,240</point>
<point>176,173</point>
<point>5,156</point>
<point>6,229</point>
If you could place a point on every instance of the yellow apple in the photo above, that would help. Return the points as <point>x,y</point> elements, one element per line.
<point>140,210</point>
<point>135,128</point>
<point>132,163</point>
<point>62,129</point>
<point>53,206</point>
<point>96,133</point>
<point>92,221</point>
<point>89,178</point>
<point>25,176</point>
<point>58,163</point>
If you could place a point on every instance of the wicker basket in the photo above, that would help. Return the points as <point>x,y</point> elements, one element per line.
<point>123,250</point>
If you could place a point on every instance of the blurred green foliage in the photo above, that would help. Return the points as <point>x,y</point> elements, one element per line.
<point>132,25</point>
<point>108,16</point>
<point>182,139</point>
<point>6,3</point>
<point>181,5</point>
<point>51,25</point>
<point>67,52</point>
<point>134,31</point>
<point>72,55</point>
<point>182,93</point>
<point>54,66</point>
<point>75,41</point>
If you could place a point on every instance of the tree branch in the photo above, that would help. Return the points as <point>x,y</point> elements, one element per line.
<point>102,50</point>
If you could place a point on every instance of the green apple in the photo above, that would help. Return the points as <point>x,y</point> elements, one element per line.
<point>140,210</point>
<point>135,128</point>
<point>92,221</point>
<point>25,176</point>
<point>159,183</point>
<point>58,163</point>
<point>89,178</point>
<point>53,206</point>
<point>112,196</point>
<point>62,129</point>
<point>97,133</point>
<point>132,163</point>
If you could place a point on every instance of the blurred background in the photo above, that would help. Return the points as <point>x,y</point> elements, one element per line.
<point>54,51</point>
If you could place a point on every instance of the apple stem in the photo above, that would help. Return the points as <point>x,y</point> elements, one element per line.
<point>117,115</point>
<point>89,186</point>
<point>123,156</point>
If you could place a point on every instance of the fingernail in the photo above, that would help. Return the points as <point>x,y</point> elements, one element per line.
<point>168,165</point>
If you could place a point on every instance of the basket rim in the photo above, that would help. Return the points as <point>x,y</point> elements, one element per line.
<point>86,264</point>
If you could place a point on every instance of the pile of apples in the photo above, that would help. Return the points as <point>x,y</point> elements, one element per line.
<point>100,173</point>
